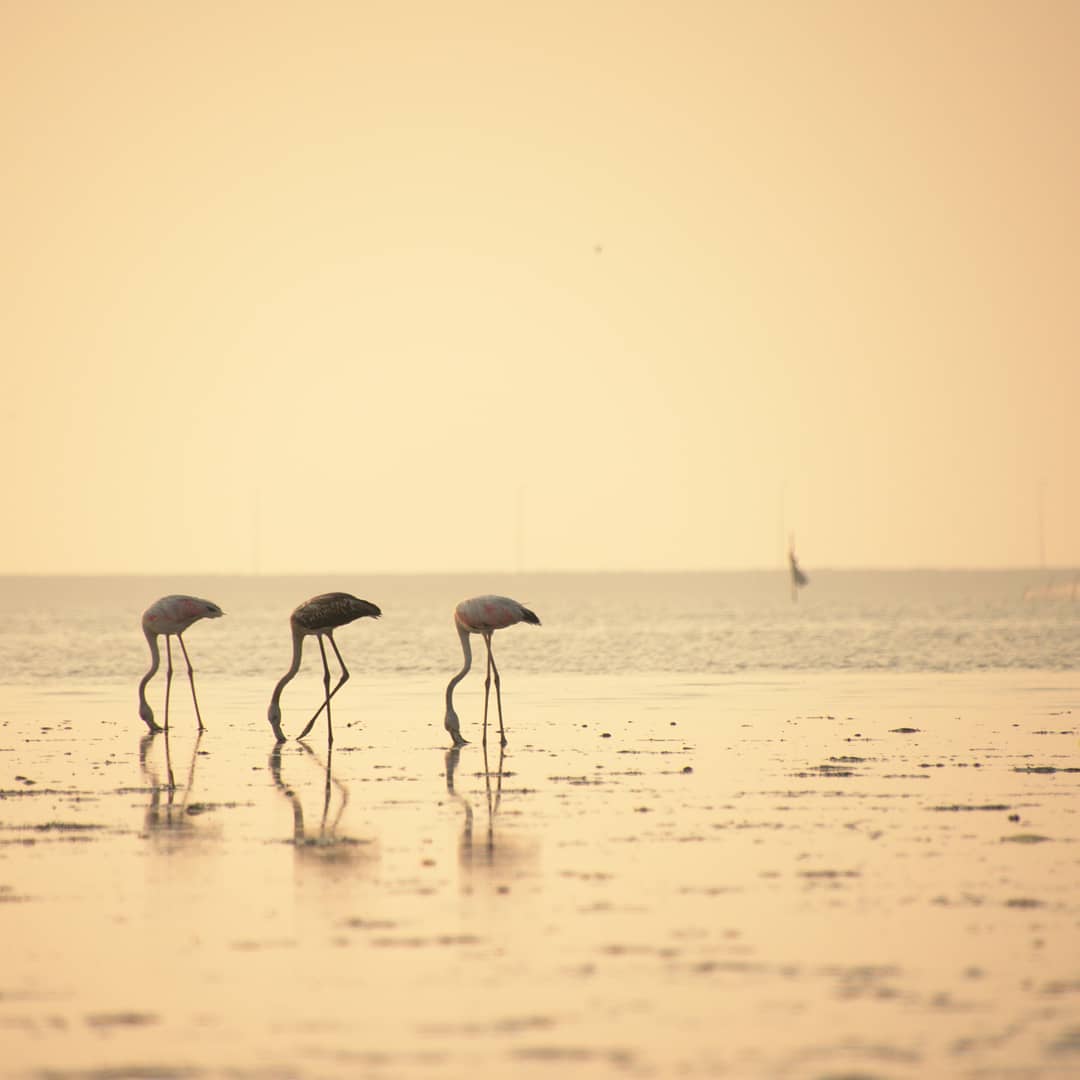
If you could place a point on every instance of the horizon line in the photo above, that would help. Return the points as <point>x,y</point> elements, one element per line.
<point>776,569</point>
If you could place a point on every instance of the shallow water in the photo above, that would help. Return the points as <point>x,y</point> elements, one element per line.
<point>596,624</point>
<point>813,875</point>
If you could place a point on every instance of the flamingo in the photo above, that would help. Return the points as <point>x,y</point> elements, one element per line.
<point>171,615</point>
<point>321,616</point>
<point>482,615</point>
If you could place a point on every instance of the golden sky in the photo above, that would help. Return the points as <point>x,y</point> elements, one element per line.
<point>614,285</point>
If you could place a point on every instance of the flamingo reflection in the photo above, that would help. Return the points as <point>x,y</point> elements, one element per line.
<point>173,814</point>
<point>487,852</point>
<point>326,840</point>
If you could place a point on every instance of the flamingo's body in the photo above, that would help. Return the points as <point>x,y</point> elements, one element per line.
<point>171,615</point>
<point>482,615</point>
<point>320,616</point>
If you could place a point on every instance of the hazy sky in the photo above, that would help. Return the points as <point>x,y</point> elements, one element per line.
<point>604,285</point>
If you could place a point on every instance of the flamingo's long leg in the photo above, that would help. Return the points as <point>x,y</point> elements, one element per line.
<point>191,679</point>
<point>326,690</point>
<point>341,682</point>
<point>318,712</point>
<point>498,693</point>
<point>487,682</point>
<point>168,676</point>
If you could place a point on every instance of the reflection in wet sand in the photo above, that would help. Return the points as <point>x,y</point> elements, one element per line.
<point>488,852</point>
<point>173,814</point>
<point>869,877</point>
<point>327,842</point>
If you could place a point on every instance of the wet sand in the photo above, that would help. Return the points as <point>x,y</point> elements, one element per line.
<point>825,877</point>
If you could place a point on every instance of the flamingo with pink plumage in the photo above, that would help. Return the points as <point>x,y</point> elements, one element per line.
<point>171,615</point>
<point>320,616</point>
<point>482,615</point>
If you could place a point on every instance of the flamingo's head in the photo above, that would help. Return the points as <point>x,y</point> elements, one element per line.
<point>453,725</point>
<point>273,714</point>
<point>146,714</point>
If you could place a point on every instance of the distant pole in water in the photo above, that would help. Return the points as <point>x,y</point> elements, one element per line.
<point>798,578</point>
<point>171,615</point>
<point>482,615</point>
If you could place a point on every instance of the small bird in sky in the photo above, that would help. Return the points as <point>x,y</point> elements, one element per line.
<point>482,615</point>
<point>320,616</point>
<point>171,615</point>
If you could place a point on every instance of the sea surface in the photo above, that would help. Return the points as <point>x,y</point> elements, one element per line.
<point>604,624</point>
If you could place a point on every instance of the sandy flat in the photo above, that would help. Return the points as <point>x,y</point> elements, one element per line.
<point>825,877</point>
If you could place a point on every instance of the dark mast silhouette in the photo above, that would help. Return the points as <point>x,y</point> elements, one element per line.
<point>798,577</point>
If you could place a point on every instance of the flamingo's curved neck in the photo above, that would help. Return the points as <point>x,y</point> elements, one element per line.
<point>466,649</point>
<point>294,667</point>
<point>155,663</point>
